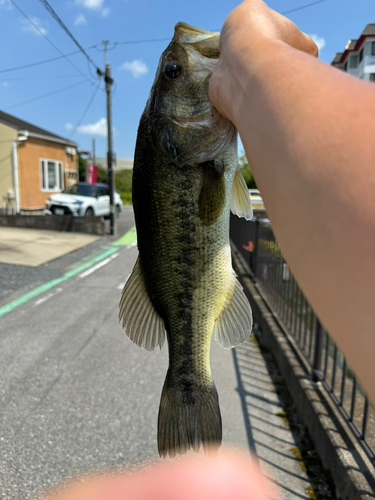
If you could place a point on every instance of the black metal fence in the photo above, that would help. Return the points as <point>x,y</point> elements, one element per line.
<point>257,244</point>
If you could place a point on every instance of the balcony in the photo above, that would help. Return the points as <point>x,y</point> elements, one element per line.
<point>367,65</point>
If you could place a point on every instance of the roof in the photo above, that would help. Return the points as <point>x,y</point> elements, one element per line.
<point>33,130</point>
<point>354,44</point>
<point>351,44</point>
<point>369,30</point>
<point>337,57</point>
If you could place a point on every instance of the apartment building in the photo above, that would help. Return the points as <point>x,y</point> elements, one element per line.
<point>358,58</point>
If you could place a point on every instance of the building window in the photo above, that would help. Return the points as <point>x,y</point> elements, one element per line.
<point>361,55</point>
<point>52,175</point>
<point>373,49</point>
<point>372,77</point>
<point>353,61</point>
<point>346,66</point>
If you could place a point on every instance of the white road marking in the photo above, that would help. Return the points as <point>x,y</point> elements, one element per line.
<point>99,265</point>
<point>121,285</point>
<point>43,299</point>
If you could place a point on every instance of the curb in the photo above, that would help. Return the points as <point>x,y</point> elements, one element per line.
<point>87,225</point>
<point>352,471</point>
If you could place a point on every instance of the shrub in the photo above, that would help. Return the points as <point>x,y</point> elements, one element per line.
<point>246,172</point>
<point>123,181</point>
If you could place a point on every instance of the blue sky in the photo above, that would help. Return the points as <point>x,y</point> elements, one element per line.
<point>332,22</point>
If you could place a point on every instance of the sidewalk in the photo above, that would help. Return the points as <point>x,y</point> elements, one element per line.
<point>33,247</point>
<point>254,420</point>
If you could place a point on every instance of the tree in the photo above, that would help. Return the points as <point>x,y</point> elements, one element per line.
<point>82,168</point>
<point>102,175</point>
<point>246,172</point>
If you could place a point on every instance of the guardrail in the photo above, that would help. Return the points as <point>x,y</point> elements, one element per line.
<point>258,246</point>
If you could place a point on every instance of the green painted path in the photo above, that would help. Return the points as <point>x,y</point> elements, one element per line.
<point>128,239</point>
<point>47,286</point>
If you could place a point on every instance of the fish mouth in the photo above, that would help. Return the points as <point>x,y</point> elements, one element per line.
<point>189,34</point>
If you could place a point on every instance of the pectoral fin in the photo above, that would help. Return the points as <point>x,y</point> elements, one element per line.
<point>141,322</point>
<point>234,324</point>
<point>240,203</point>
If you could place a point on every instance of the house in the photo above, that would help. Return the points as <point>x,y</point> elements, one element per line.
<point>34,163</point>
<point>358,58</point>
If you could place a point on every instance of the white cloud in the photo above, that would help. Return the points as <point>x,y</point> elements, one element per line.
<point>80,19</point>
<point>29,28</point>
<point>91,4</point>
<point>136,68</point>
<point>5,4</point>
<point>98,128</point>
<point>95,5</point>
<point>320,41</point>
<point>68,126</point>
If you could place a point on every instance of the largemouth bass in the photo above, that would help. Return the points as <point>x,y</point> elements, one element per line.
<point>185,182</point>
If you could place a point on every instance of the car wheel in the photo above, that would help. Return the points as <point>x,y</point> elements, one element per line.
<point>118,210</point>
<point>89,212</point>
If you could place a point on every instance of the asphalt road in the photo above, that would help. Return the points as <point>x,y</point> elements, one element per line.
<point>76,395</point>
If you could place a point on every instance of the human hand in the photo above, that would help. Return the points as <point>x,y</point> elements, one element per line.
<point>249,31</point>
<point>226,476</point>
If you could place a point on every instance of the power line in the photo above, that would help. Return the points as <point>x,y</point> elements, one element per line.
<point>48,40</point>
<point>43,96</point>
<point>129,42</point>
<point>85,111</point>
<point>152,40</point>
<point>62,25</point>
<point>39,78</point>
<point>45,61</point>
<point>302,7</point>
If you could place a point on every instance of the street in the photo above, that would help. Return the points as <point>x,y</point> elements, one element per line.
<point>77,396</point>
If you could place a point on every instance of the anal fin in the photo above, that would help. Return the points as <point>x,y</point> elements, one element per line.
<point>138,317</point>
<point>235,322</point>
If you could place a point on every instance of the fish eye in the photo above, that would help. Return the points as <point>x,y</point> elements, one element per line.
<point>172,70</point>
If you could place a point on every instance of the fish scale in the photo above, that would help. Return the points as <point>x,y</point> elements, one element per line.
<point>185,182</point>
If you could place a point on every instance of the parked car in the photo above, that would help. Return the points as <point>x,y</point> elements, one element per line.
<point>256,200</point>
<point>83,199</point>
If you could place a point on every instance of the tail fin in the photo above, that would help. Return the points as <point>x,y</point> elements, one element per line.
<point>183,425</point>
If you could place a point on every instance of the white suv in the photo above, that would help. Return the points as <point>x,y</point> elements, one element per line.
<point>83,199</point>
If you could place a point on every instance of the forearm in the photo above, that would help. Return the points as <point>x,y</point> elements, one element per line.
<point>308,132</point>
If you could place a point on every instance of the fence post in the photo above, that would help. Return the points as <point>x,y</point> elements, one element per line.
<point>316,371</point>
<point>255,251</point>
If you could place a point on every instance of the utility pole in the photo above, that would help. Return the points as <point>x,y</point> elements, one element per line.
<point>111,178</point>
<point>93,152</point>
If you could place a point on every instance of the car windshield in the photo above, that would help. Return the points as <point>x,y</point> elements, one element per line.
<point>81,190</point>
